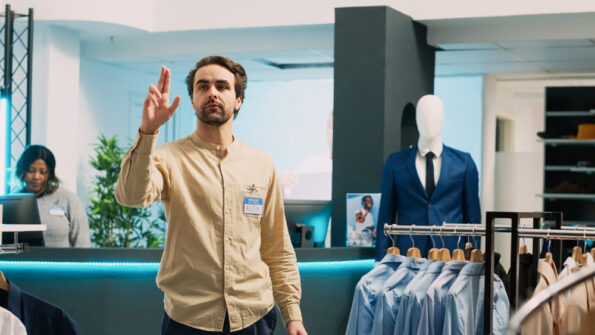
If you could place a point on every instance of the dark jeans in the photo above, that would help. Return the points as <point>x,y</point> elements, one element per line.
<point>264,326</point>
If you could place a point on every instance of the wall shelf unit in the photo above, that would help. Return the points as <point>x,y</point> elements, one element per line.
<point>569,166</point>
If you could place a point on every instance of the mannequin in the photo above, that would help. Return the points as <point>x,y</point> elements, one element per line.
<point>411,195</point>
<point>429,117</point>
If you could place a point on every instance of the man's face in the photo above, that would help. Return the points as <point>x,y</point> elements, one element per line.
<point>368,203</point>
<point>214,97</point>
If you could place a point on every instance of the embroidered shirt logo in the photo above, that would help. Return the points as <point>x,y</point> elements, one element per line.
<point>251,189</point>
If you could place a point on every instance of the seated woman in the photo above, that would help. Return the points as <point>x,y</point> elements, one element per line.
<point>61,210</point>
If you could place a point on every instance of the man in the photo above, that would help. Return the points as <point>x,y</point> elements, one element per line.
<point>227,251</point>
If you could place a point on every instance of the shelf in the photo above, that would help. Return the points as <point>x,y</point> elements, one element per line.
<point>566,141</point>
<point>570,113</point>
<point>570,168</point>
<point>574,196</point>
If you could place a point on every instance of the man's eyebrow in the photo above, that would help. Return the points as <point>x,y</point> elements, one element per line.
<point>219,81</point>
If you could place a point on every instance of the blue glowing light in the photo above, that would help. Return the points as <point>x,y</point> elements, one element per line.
<point>152,267</point>
<point>4,142</point>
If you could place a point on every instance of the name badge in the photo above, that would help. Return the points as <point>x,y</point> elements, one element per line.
<point>253,206</point>
<point>57,210</point>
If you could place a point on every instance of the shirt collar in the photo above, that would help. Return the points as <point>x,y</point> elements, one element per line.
<point>454,265</point>
<point>216,148</point>
<point>548,270</point>
<point>393,258</point>
<point>436,148</point>
<point>472,269</point>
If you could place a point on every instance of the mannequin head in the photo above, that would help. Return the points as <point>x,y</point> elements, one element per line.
<point>429,116</point>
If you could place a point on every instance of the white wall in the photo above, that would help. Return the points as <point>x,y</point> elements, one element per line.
<point>110,103</point>
<point>463,114</point>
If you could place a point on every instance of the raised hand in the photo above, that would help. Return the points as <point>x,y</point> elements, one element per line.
<point>156,108</point>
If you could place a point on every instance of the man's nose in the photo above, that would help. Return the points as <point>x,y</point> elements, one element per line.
<point>213,93</point>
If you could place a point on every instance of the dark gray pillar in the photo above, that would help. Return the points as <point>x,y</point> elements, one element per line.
<point>382,64</point>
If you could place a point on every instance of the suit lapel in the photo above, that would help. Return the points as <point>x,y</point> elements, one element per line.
<point>413,172</point>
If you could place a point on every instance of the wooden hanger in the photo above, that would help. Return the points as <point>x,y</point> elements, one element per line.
<point>523,250</point>
<point>468,245</point>
<point>476,256</point>
<point>413,251</point>
<point>593,252</point>
<point>433,254</point>
<point>393,250</point>
<point>458,255</point>
<point>548,257</point>
<point>444,255</point>
<point>577,254</point>
<point>3,282</point>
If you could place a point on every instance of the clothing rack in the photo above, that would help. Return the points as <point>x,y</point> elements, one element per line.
<point>488,230</point>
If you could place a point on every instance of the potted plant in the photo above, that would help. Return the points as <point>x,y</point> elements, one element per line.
<point>112,224</point>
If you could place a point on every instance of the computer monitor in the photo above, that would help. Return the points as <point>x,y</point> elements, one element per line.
<point>314,213</point>
<point>21,208</point>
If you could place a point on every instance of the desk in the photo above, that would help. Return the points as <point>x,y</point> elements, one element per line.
<point>113,291</point>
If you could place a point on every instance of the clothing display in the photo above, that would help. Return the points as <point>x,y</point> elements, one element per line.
<point>389,300</point>
<point>405,201</point>
<point>425,297</point>
<point>434,305</point>
<point>369,287</point>
<point>566,313</point>
<point>526,268</point>
<point>409,316</point>
<point>464,303</point>
<point>64,214</point>
<point>227,247</point>
<point>38,316</point>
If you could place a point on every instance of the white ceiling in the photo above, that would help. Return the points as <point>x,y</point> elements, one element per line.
<point>307,51</point>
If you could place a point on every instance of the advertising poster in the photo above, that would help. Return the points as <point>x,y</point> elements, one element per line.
<point>362,212</point>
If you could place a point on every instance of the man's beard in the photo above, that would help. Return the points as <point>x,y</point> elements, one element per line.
<point>211,117</point>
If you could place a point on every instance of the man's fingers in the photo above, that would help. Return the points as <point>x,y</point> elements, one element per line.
<point>155,92</point>
<point>175,104</point>
<point>161,79</point>
<point>165,88</point>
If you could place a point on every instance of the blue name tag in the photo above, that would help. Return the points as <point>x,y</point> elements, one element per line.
<point>57,210</point>
<point>253,205</point>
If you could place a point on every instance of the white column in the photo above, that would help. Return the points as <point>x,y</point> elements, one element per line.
<point>55,97</point>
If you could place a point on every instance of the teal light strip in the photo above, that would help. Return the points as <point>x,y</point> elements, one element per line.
<point>154,266</point>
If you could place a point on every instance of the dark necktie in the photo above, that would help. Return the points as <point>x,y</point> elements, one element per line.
<point>430,185</point>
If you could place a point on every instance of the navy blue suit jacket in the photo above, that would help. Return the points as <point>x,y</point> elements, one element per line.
<point>455,198</point>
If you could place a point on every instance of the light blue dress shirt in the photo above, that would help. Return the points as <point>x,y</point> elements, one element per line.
<point>387,307</point>
<point>366,293</point>
<point>411,302</point>
<point>464,303</point>
<point>431,320</point>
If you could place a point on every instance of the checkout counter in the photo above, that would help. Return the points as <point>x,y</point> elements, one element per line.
<point>113,291</point>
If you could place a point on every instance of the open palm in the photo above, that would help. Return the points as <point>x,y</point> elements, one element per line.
<point>156,107</point>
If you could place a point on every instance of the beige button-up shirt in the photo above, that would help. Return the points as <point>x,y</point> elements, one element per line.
<point>546,319</point>
<point>227,244</point>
